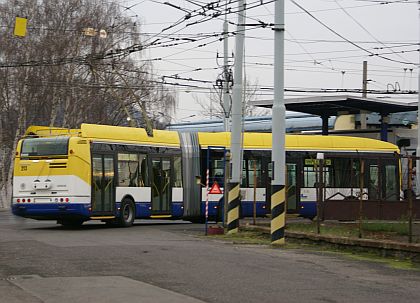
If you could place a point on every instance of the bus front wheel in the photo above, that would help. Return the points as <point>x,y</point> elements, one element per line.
<point>127,213</point>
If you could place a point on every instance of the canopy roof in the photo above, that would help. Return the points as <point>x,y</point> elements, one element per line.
<point>339,105</point>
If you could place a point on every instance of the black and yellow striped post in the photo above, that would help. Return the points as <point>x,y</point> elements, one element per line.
<point>278,214</point>
<point>233,208</point>
<point>278,155</point>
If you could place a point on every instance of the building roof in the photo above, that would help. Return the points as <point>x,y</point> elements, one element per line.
<point>341,104</point>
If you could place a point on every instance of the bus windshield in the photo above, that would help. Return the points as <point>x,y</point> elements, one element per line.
<point>39,147</point>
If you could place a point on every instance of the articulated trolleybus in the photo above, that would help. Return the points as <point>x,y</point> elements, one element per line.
<point>118,174</point>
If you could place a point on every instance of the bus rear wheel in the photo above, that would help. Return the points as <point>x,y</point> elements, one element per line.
<point>127,213</point>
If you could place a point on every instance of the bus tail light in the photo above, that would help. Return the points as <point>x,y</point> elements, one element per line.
<point>18,200</point>
<point>24,200</point>
<point>61,200</point>
<point>67,200</point>
<point>29,200</point>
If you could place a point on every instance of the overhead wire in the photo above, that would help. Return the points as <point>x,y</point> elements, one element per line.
<point>159,43</point>
<point>365,29</point>
<point>344,38</point>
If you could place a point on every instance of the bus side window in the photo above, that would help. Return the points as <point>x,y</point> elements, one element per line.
<point>311,173</point>
<point>257,164</point>
<point>129,174</point>
<point>309,176</point>
<point>391,182</point>
<point>373,185</point>
<point>123,170</point>
<point>143,176</point>
<point>177,172</point>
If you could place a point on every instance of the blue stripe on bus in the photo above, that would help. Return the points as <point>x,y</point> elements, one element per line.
<point>247,208</point>
<point>177,209</point>
<point>307,209</point>
<point>143,209</point>
<point>51,210</point>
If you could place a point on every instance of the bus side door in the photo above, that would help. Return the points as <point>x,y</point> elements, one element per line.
<point>103,183</point>
<point>161,185</point>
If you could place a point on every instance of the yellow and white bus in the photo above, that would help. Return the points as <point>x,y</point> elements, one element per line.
<point>118,174</point>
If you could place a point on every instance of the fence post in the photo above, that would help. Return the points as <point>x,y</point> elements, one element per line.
<point>361,183</point>
<point>225,187</point>
<point>255,192</point>
<point>410,199</point>
<point>320,159</point>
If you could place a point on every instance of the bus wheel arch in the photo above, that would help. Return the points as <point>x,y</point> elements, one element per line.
<point>127,212</point>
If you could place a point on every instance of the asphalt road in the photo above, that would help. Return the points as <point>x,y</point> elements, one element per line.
<point>171,262</point>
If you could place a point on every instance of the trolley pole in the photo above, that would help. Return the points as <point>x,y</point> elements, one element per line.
<point>236,137</point>
<point>278,156</point>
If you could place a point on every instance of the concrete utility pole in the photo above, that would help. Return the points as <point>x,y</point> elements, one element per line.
<point>226,99</point>
<point>278,156</point>
<point>236,142</point>
<point>418,122</point>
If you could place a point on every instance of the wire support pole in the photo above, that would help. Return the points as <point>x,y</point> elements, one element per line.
<point>226,98</point>
<point>278,188</point>
<point>236,137</point>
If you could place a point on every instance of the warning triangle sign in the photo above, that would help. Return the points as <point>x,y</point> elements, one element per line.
<point>215,189</point>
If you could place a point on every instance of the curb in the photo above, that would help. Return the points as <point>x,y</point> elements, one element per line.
<point>345,241</point>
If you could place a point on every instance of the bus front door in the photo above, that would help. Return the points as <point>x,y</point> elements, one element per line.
<point>161,186</point>
<point>103,187</point>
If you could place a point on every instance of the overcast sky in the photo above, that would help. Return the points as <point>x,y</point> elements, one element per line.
<point>315,57</point>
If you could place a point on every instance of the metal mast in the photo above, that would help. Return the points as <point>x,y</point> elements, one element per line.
<point>278,190</point>
<point>236,144</point>
<point>226,99</point>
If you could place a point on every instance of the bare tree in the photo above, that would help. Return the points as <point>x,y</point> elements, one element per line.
<point>59,75</point>
<point>213,107</point>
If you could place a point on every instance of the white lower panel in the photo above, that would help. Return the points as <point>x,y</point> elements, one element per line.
<point>177,194</point>
<point>140,194</point>
<point>68,185</point>
<point>246,194</point>
<point>143,194</point>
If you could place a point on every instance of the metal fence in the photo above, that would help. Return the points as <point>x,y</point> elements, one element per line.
<point>365,207</point>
